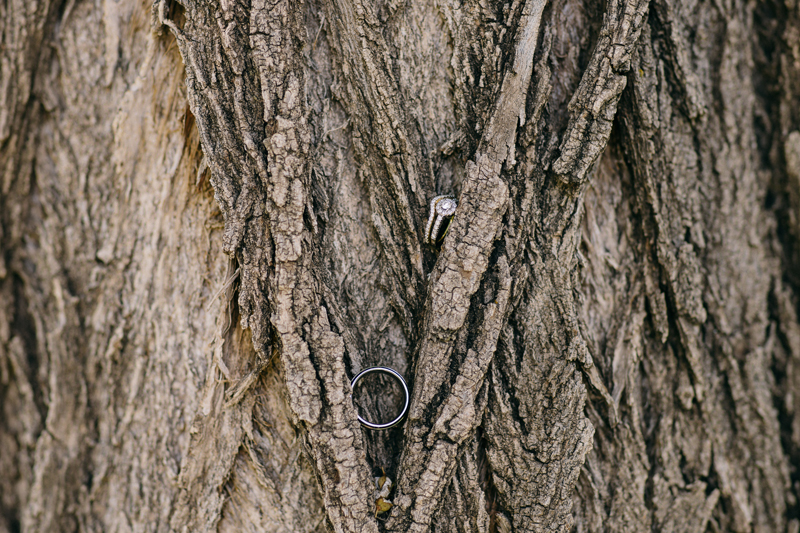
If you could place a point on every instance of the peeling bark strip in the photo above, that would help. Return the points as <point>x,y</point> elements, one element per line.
<point>594,104</point>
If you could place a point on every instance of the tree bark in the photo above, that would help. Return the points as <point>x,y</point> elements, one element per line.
<point>212,217</point>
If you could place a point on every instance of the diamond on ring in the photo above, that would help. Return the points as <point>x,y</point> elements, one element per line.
<point>442,208</point>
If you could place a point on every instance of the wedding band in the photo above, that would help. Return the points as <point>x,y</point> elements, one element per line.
<point>393,373</point>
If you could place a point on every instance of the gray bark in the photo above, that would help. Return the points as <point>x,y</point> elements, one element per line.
<point>212,216</point>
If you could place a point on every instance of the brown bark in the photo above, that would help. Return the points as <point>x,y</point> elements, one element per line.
<point>211,219</point>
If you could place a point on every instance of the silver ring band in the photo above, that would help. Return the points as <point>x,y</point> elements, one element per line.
<point>398,377</point>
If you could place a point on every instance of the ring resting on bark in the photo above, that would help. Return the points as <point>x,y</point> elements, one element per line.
<point>406,397</point>
<point>442,207</point>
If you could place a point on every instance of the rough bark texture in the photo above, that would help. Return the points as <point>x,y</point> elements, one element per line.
<point>212,216</point>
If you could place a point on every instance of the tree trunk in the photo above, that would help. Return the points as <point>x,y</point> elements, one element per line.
<point>212,218</point>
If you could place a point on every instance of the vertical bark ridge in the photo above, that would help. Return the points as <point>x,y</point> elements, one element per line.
<point>224,68</point>
<point>614,314</point>
<point>265,196</point>
<point>434,434</point>
<point>235,163</point>
<point>695,367</point>
<point>464,507</point>
<point>318,395</point>
<point>710,148</point>
<point>537,431</point>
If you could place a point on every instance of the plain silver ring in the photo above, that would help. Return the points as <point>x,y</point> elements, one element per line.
<point>395,374</point>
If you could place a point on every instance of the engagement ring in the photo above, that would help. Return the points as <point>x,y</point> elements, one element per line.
<point>442,208</point>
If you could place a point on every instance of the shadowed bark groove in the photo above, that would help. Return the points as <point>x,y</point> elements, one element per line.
<point>387,141</point>
<point>211,216</point>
